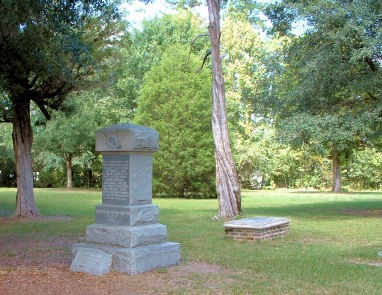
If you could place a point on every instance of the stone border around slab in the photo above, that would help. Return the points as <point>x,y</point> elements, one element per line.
<point>258,222</point>
<point>257,228</point>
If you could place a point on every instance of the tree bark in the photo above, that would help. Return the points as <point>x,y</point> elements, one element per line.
<point>90,178</point>
<point>22,136</point>
<point>69,172</point>
<point>227,183</point>
<point>336,169</point>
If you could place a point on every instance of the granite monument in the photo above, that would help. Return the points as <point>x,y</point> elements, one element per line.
<point>126,236</point>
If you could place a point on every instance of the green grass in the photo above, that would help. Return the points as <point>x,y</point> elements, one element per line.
<point>326,252</point>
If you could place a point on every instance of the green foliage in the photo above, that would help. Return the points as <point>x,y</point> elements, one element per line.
<point>146,47</point>
<point>265,163</point>
<point>364,170</point>
<point>322,91</point>
<point>176,102</point>
<point>68,137</point>
<point>334,66</point>
<point>7,159</point>
<point>47,48</point>
<point>329,93</point>
<point>184,3</point>
<point>67,134</point>
<point>253,159</point>
<point>345,131</point>
<point>244,52</point>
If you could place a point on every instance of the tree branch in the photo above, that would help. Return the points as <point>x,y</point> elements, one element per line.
<point>197,37</point>
<point>51,97</point>
<point>41,105</point>
<point>371,64</point>
<point>372,96</point>
<point>208,53</point>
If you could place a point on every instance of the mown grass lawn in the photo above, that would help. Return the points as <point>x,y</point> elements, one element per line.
<point>331,249</point>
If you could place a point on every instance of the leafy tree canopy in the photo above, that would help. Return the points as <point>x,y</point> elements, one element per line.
<point>147,46</point>
<point>176,102</point>
<point>329,90</point>
<point>67,138</point>
<point>46,48</point>
<point>337,60</point>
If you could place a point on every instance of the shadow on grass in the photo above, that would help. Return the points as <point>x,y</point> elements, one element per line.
<point>332,209</point>
<point>6,212</point>
<point>334,193</point>
<point>272,203</point>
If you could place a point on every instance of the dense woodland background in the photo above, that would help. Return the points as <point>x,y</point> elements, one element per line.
<point>303,98</point>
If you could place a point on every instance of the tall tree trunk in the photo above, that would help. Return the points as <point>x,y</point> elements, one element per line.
<point>22,136</point>
<point>69,172</point>
<point>227,183</point>
<point>90,178</point>
<point>336,187</point>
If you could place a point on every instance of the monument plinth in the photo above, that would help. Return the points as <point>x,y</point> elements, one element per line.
<point>126,223</point>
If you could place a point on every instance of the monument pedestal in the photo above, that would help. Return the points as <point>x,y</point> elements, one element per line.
<point>126,235</point>
<point>140,259</point>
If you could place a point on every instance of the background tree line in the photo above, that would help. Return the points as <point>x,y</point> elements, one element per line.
<point>301,107</point>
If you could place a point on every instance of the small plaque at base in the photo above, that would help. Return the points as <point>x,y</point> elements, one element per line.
<point>91,261</point>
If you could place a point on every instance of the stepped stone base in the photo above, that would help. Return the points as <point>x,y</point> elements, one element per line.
<point>126,236</point>
<point>126,215</point>
<point>256,228</point>
<point>137,260</point>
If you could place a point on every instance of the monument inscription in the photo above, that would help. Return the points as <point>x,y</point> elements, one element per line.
<point>115,179</point>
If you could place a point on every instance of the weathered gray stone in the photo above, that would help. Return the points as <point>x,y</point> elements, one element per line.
<point>127,138</point>
<point>126,215</point>
<point>141,259</point>
<point>126,236</point>
<point>140,191</point>
<point>115,179</point>
<point>127,179</point>
<point>91,260</point>
<point>258,222</point>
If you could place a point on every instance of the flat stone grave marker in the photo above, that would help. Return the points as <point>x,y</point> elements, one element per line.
<point>257,228</point>
<point>92,261</point>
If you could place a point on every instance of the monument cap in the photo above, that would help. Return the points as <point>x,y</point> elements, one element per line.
<point>127,138</point>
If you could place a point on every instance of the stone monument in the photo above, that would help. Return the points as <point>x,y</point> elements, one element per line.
<point>126,235</point>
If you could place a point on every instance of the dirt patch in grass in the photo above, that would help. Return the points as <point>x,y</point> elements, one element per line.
<point>57,279</point>
<point>363,212</point>
<point>42,267</point>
